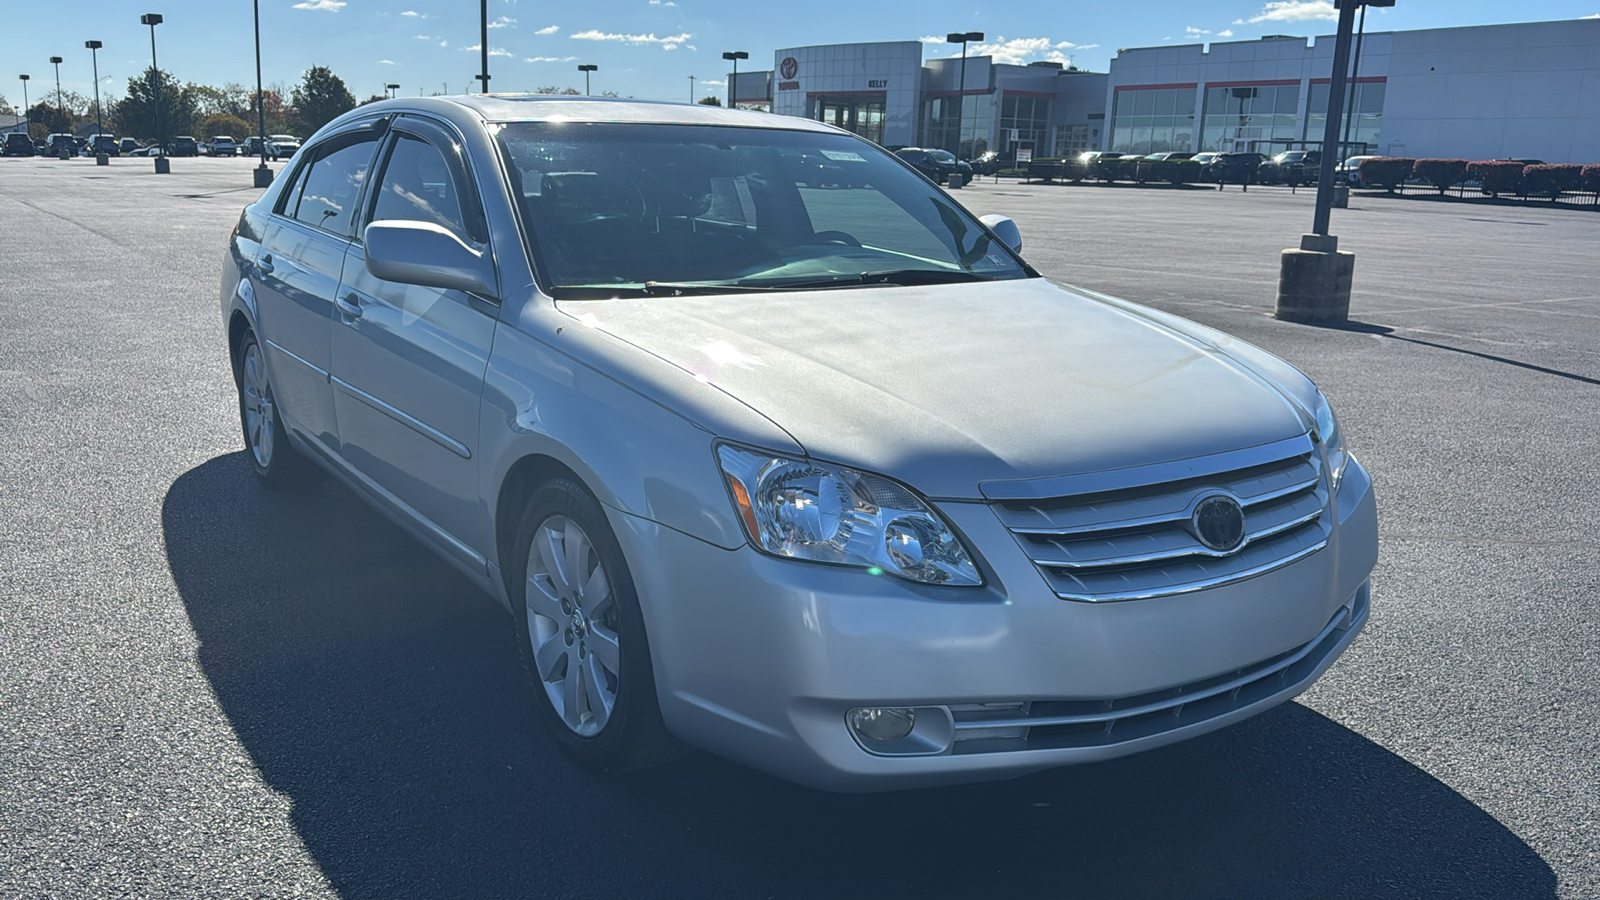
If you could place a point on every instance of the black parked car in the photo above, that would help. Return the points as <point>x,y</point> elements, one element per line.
<point>987,163</point>
<point>938,165</point>
<point>19,144</point>
<point>184,146</point>
<point>63,143</point>
<point>1292,167</point>
<point>104,143</point>
<point>1236,168</point>
<point>1102,165</point>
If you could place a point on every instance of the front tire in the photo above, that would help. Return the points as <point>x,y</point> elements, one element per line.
<point>581,635</point>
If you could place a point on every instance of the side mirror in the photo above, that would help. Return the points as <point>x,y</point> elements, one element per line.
<point>424,254</point>
<point>1005,229</point>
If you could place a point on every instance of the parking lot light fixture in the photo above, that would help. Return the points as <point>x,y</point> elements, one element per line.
<point>56,61</point>
<point>94,58</point>
<point>262,175</point>
<point>586,68</point>
<point>26,124</point>
<point>962,38</point>
<point>163,166</point>
<point>393,90</point>
<point>734,56</point>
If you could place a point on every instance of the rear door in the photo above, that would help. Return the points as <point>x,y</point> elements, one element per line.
<point>297,277</point>
<point>409,361</point>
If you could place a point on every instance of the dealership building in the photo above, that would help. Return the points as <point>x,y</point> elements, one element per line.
<point>1521,91</point>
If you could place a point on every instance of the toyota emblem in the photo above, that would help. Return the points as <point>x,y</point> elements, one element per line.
<point>1219,523</point>
<point>788,68</point>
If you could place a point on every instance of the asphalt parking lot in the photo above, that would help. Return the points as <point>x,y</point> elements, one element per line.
<point>211,691</point>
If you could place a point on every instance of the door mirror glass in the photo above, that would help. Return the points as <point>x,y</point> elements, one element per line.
<point>423,253</point>
<point>1005,229</point>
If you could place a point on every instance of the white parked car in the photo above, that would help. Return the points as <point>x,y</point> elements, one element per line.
<point>1349,170</point>
<point>282,146</point>
<point>831,483</point>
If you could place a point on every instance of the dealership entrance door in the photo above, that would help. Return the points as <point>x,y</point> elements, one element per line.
<point>860,113</point>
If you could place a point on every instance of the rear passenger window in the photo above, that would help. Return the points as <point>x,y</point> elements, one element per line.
<point>417,187</point>
<point>332,186</point>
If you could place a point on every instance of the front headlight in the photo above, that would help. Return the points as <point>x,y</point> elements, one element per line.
<point>803,509</point>
<point>1332,440</point>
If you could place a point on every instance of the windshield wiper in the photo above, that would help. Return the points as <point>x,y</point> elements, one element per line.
<point>680,288</point>
<point>891,276</point>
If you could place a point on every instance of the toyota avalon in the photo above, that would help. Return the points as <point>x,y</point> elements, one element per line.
<point>828,481</point>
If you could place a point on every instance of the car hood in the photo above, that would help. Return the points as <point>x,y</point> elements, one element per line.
<point>949,386</point>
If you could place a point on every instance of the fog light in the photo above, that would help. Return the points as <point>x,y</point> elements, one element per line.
<point>883,723</point>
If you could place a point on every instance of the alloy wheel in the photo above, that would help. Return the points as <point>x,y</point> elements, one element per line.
<point>572,625</point>
<point>255,396</point>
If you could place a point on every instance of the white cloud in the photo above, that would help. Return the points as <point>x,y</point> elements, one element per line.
<point>444,43</point>
<point>1196,32</point>
<point>324,5</point>
<point>670,42</point>
<point>1595,16</point>
<point>1296,11</point>
<point>1021,51</point>
<point>387,62</point>
<point>415,15</point>
<point>548,29</point>
<point>711,83</point>
<point>662,3</point>
<point>422,37</point>
<point>493,51</point>
<point>503,22</point>
<point>931,39</point>
<point>552,59</point>
<point>1226,32</point>
<point>1240,22</point>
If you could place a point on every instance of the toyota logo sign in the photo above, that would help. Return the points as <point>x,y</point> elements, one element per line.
<point>788,68</point>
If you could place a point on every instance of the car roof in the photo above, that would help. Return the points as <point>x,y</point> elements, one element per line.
<point>501,108</point>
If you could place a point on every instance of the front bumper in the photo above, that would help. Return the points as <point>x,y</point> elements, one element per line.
<point>760,659</point>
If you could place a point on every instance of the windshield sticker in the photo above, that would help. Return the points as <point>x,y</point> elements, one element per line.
<point>843,156</point>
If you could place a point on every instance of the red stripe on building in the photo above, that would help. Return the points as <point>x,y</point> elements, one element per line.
<point>1281,82</point>
<point>1365,79</point>
<point>1154,87</point>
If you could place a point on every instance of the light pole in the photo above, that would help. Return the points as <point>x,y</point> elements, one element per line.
<point>962,38</point>
<point>27,123</point>
<point>1355,78</point>
<point>56,61</point>
<point>586,68</point>
<point>393,90</point>
<point>261,176</point>
<point>691,89</point>
<point>94,59</point>
<point>733,83</point>
<point>483,44</point>
<point>163,165</point>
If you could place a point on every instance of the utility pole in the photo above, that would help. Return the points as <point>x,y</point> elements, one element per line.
<point>691,89</point>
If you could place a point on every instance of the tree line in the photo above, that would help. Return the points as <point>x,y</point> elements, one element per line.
<point>204,110</point>
<point>187,108</point>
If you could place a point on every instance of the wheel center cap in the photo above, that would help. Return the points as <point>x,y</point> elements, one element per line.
<point>579,623</point>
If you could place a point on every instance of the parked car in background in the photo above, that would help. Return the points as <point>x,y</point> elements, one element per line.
<point>1292,167</point>
<point>282,146</point>
<point>832,484</point>
<point>184,145</point>
<point>128,145</point>
<point>61,143</point>
<point>1237,168</point>
<point>18,144</point>
<point>252,145</point>
<point>103,143</point>
<point>937,165</point>
<point>987,163</point>
<point>1172,166</point>
<point>1102,165</point>
<point>1349,170</point>
<point>222,145</point>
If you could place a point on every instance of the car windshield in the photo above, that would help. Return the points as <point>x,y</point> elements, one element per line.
<point>649,208</point>
<point>944,156</point>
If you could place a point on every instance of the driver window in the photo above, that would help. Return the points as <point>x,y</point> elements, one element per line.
<point>417,187</point>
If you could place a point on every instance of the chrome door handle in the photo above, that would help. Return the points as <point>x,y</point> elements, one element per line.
<point>349,305</point>
<point>265,265</point>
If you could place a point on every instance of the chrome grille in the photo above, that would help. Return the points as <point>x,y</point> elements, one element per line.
<point>1134,540</point>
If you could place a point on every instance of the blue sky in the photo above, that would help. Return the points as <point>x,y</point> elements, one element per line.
<point>644,48</point>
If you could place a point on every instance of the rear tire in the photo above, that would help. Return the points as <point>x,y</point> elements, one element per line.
<point>581,635</point>
<point>274,460</point>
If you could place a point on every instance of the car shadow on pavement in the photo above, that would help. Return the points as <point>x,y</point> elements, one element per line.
<point>380,692</point>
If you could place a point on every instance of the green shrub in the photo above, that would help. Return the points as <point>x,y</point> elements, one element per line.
<point>1044,169</point>
<point>1552,180</point>
<point>1441,173</point>
<point>1388,171</point>
<point>1172,171</point>
<point>1497,176</point>
<point>1591,179</point>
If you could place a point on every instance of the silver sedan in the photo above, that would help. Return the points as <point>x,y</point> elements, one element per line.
<point>826,481</point>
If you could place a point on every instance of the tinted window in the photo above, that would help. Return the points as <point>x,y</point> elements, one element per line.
<point>332,185</point>
<point>417,187</point>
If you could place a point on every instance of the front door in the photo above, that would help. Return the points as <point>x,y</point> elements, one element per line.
<point>409,361</point>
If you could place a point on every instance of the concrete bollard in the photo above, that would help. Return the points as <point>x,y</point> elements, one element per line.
<point>955,180</point>
<point>101,159</point>
<point>263,176</point>
<point>1314,282</point>
<point>163,167</point>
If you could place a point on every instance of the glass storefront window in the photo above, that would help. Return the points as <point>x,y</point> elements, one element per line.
<point>1030,116</point>
<point>1368,114</point>
<point>944,113</point>
<point>1236,116</point>
<point>863,117</point>
<point>1152,121</point>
